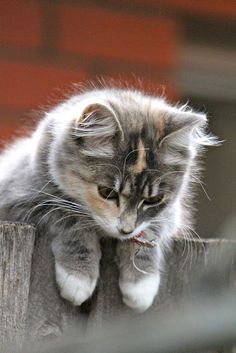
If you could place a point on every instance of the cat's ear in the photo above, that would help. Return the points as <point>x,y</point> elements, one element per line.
<point>96,129</point>
<point>182,127</point>
<point>182,136</point>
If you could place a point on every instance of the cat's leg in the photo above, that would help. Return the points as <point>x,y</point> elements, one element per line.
<point>139,274</point>
<point>77,259</point>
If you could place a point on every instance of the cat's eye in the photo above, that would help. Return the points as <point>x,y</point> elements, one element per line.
<point>156,200</point>
<point>107,193</point>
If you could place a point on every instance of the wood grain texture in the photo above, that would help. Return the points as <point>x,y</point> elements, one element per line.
<point>193,268</point>
<point>16,248</point>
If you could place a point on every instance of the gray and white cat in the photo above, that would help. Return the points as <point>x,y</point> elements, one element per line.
<point>106,163</point>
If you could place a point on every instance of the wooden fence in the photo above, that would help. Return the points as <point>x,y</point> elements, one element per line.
<point>195,310</point>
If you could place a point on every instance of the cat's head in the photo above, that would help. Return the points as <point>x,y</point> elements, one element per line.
<point>127,157</point>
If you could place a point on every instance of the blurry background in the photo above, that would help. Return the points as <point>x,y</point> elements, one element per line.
<point>185,49</point>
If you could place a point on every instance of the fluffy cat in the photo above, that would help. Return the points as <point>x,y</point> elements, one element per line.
<point>106,162</point>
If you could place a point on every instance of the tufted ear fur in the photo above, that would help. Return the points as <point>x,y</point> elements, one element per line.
<point>180,127</point>
<point>184,135</point>
<point>96,129</point>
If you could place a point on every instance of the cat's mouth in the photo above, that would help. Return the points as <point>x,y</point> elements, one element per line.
<point>140,240</point>
<point>139,235</point>
<point>135,234</point>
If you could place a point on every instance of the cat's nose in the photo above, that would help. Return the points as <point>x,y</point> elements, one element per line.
<point>125,231</point>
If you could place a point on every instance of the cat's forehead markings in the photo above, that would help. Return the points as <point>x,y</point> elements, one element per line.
<point>160,125</point>
<point>140,164</point>
<point>127,188</point>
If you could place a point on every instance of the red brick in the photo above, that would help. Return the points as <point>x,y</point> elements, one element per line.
<point>7,131</point>
<point>16,123</point>
<point>20,23</point>
<point>114,35</point>
<point>28,85</point>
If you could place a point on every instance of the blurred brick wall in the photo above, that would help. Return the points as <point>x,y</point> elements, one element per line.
<point>46,46</point>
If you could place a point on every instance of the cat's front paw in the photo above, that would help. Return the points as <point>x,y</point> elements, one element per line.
<point>75,288</point>
<point>139,295</point>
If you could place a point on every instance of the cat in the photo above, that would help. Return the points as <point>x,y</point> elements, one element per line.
<point>107,162</point>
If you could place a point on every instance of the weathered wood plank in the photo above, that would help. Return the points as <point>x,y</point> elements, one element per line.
<point>206,326</point>
<point>16,248</point>
<point>183,265</point>
<point>193,268</point>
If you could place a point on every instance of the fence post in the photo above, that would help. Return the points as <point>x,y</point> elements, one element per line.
<point>16,248</point>
<point>30,302</point>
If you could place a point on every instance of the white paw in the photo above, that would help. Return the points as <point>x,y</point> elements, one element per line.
<point>76,289</point>
<point>140,295</point>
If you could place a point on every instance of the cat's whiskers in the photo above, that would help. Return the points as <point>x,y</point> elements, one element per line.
<point>195,233</point>
<point>57,204</point>
<point>168,173</point>
<point>55,209</point>
<point>82,225</point>
<point>67,206</point>
<point>31,210</point>
<point>37,192</point>
<point>63,200</point>
<point>66,217</point>
<point>42,204</point>
<point>198,181</point>
<point>46,214</point>
<point>158,221</point>
<point>189,234</point>
<point>134,264</point>
<point>89,226</point>
<point>58,200</point>
<point>187,249</point>
<point>43,187</point>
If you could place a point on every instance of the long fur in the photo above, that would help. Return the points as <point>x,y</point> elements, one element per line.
<point>107,162</point>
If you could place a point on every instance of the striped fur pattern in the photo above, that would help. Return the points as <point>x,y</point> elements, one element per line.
<point>107,162</point>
